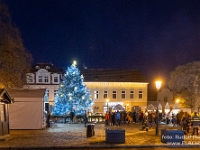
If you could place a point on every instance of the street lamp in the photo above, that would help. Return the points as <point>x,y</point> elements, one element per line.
<point>127,106</point>
<point>107,100</point>
<point>158,86</point>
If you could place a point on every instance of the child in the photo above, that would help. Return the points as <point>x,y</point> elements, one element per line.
<point>146,123</point>
<point>128,119</point>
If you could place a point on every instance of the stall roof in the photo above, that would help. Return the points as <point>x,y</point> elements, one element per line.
<point>26,93</point>
<point>5,97</point>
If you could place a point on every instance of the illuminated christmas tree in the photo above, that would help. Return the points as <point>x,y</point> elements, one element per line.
<point>72,93</point>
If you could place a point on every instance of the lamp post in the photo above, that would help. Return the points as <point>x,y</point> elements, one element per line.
<point>107,100</point>
<point>158,86</point>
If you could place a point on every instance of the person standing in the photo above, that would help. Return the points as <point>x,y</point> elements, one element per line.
<point>64,117</point>
<point>195,123</point>
<point>48,119</point>
<point>128,119</point>
<point>117,118</point>
<point>141,117</point>
<point>85,118</point>
<point>110,118</point>
<point>134,118</point>
<point>150,119</point>
<point>113,118</point>
<point>107,117</point>
<point>71,116</point>
<point>168,117</point>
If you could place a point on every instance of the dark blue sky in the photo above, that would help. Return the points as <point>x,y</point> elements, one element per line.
<point>153,36</point>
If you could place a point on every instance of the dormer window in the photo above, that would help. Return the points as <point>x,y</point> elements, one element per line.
<point>47,67</point>
<point>37,67</point>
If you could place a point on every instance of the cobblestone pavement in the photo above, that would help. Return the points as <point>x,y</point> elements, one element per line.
<point>74,136</point>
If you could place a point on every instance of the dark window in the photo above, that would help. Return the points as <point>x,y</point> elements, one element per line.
<point>131,94</point>
<point>114,95</point>
<point>140,94</point>
<point>123,94</point>
<point>105,94</point>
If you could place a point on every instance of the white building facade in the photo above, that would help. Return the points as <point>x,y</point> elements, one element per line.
<point>45,76</point>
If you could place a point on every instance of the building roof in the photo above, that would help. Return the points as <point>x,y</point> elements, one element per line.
<point>48,66</point>
<point>26,93</point>
<point>112,75</point>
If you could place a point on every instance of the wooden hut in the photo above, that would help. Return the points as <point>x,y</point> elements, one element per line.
<point>5,100</point>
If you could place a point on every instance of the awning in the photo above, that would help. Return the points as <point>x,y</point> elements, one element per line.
<point>118,107</point>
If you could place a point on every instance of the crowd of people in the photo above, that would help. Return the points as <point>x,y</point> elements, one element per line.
<point>185,121</point>
<point>182,119</point>
<point>123,117</point>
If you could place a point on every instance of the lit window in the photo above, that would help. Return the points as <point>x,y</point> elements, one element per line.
<point>131,94</point>
<point>123,95</point>
<point>46,79</point>
<point>40,79</point>
<point>140,94</point>
<point>114,94</point>
<point>105,94</point>
<point>96,94</point>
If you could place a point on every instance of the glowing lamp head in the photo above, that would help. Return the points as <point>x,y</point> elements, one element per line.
<point>107,100</point>
<point>158,85</point>
<point>74,63</point>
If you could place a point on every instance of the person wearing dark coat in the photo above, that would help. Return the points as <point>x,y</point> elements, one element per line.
<point>48,119</point>
<point>113,119</point>
<point>195,123</point>
<point>85,118</point>
<point>71,116</point>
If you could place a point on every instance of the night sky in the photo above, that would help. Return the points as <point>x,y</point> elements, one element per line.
<point>153,36</point>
